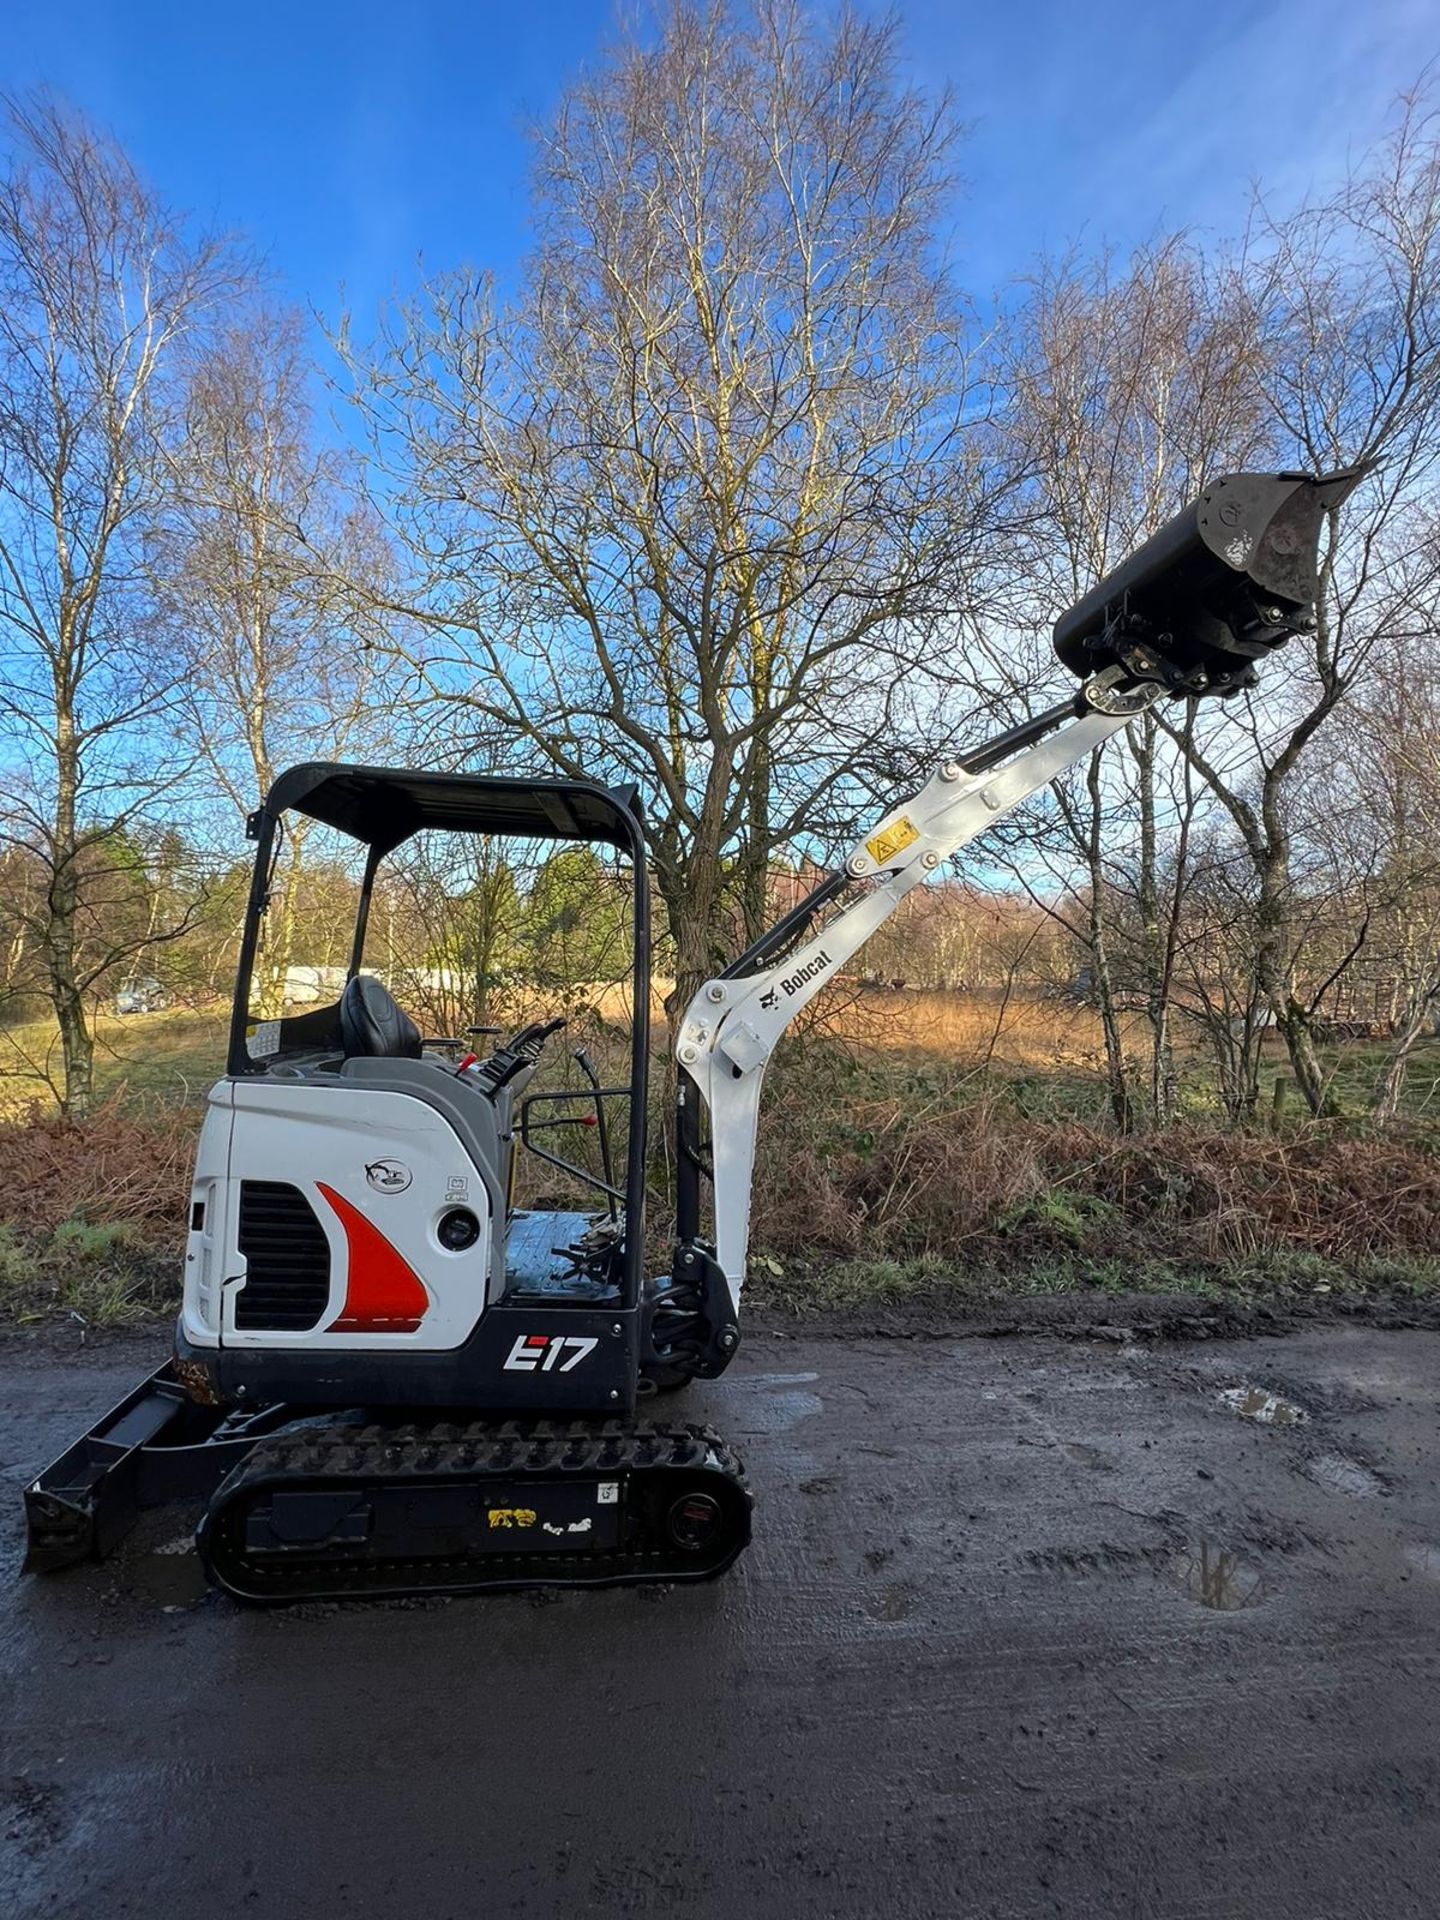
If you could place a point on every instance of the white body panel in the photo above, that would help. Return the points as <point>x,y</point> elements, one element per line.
<point>304,1135</point>
<point>206,1259</point>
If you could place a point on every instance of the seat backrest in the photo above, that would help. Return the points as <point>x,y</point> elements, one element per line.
<point>373,1026</point>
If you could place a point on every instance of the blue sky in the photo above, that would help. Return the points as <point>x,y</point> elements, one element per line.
<point>348,140</point>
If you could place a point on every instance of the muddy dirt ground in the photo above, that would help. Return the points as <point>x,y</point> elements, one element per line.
<point>1030,1627</point>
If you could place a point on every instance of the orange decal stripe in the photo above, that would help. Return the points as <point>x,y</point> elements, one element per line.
<point>383,1293</point>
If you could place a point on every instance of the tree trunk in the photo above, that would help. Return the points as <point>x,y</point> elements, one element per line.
<point>1300,1044</point>
<point>77,1046</point>
<point>484,958</point>
<point>691,892</point>
<point>1392,1084</point>
<point>1153,945</point>
<point>1121,1105</point>
<point>698,930</point>
<point>282,944</point>
<point>77,1051</point>
<point>691,883</point>
<point>755,877</point>
<point>1274,973</point>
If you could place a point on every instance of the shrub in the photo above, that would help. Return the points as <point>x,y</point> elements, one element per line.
<point>906,1178</point>
<point>122,1165</point>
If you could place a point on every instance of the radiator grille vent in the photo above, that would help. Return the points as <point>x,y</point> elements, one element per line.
<point>287,1259</point>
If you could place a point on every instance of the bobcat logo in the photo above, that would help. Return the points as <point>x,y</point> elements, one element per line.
<point>804,975</point>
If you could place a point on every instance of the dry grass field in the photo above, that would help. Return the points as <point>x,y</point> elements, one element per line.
<point>173,1057</point>
<point>910,1141</point>
<point>1018,1030</point>
<point>169,1058</point>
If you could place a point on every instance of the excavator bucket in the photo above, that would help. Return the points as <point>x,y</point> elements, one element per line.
<point>1232,577</point>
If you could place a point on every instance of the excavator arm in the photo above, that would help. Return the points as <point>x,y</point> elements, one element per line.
<point>732,1026</point>
<point>1222,585</point>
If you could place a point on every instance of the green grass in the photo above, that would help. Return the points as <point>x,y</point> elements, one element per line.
<point>806,1288</point>
<point>19,1266</point>
<point>1356,1068</point>
<point>173,1057</point>
<point>104,1274</point>
<point>1071,1217</point>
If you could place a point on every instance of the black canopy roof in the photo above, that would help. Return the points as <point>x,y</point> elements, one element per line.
<point>381,806</point>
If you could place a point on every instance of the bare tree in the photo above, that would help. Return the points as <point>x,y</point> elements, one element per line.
<point>676,507</point>
<point>446,928</point>
<point>1347,299</point>
<point>1126,391</point>
<point>268,570</point>
<point>99,287</point>
<point>1390,754</point>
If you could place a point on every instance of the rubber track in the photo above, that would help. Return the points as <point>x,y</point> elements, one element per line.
<point>477,1450</point>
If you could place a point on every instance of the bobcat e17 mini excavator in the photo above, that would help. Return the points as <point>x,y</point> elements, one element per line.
<point>387,1378</point>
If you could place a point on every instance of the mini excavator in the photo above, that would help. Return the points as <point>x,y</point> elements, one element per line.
<point>387,1377</point>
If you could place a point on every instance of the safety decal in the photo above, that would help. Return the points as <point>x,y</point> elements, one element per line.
<point>889,841</point>
<point>262,1039</point>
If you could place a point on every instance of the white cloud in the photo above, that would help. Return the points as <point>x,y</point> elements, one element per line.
<point>1132,119</point>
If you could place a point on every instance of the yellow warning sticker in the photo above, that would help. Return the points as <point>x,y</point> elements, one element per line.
<point>513,1516</point>
<point>891,840</point>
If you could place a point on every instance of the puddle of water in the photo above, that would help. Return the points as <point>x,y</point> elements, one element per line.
<point>895,1603</point>
<point>778,1412</point>
<point>170,1575</point>
<point>1258,1403</point>
<point>1343,1475</point>
<point>1215,1577</point>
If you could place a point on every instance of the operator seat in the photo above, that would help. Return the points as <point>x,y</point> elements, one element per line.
<point>373,1026</point>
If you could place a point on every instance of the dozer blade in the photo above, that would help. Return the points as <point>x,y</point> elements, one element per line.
<point>155,1446</point>
<point>359,1512</point>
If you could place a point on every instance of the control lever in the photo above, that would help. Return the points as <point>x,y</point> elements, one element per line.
<point>518,1053</point>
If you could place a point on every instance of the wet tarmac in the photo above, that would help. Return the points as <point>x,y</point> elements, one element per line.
<point>1028,1628</point>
